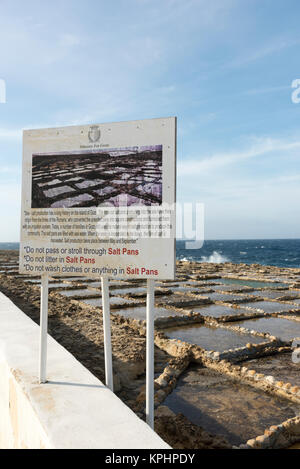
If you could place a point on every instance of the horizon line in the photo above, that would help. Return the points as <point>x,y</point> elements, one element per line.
<point>208,239</point>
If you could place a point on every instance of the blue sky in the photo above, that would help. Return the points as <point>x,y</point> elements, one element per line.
<point>223,67</point>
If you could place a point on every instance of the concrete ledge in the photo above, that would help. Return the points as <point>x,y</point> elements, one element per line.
<point>73,410</point>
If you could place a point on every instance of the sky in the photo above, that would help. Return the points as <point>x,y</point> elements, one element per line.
<point>224,67</point>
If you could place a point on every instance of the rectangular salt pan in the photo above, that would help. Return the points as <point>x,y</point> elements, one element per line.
<point>89,183</point>
<point>139,312</point>
<point>72,201</point>
<point>57,191</point>
<point>268,306</point>
<point>284,329</point>
<point>114,302</point>
<point>211,338</point>
<point>280,366</point>
<point>252,283</point>
<point>226,298</point>
<point>222,406</point>
<point>50,183</point>
<point>267,294</point>
<point>71,293</point>
<point>217,311</point>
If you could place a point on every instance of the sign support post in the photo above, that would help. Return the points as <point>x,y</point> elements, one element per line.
<point>43,329</point>
<point>150,354</point>
<point>107,333</point>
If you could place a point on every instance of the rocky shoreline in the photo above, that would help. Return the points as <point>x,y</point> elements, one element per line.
<point>216,333</point>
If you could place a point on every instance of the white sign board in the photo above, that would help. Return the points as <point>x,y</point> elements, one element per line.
<point>99,200</point>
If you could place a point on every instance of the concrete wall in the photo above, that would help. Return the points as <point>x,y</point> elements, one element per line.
<point>73,410</point>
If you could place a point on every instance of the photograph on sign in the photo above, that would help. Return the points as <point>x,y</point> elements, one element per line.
<point>94,178</point>
<point>100,200</point>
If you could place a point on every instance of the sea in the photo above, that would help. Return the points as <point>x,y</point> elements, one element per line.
<point>277,252</point>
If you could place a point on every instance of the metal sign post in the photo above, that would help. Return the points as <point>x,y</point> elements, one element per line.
<point>107,333</point>
<point>150,354</point>
<point>43,329</point>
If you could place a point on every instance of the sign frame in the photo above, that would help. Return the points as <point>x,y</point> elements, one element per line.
<point>47,245</point>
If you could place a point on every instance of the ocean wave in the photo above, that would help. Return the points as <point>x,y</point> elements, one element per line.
<point>215,258</point>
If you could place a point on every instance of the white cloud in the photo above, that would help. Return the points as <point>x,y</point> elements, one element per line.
<point>261,146</point>
<point>273,47</point>
<point>271,89</point>
<point>69,40</point>
<point>245,207</point>
<point>10,134</point>
<point>4,170</point>
<point>253,202</point>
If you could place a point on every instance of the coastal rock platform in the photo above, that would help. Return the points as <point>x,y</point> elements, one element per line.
<point>226,367</point>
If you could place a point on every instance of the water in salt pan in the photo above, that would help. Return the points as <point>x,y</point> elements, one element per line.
<point>284,329</point>
<point>269,306</point>
<point>222,406</point>
<point>88,183</point>
<point>217,311</point>
<point>71,293</point>
<point>114,302</point>
<point>231,288</point>
<point>57,191</point>
<point>252,283</point>
<point>212,338</point>
<point>54,285</point>
<point>226,298</point>
<point>280,366</point>
<point>128,291</point>
<point>72,201</point>
<point>197,291</point>
<point>139,312</point>
<point>50,183</point>
<point>272,294</point>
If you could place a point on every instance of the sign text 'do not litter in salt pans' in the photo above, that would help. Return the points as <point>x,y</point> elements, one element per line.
<point>100,200</point>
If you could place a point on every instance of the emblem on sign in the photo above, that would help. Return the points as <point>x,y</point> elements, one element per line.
<point>94,134</point>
